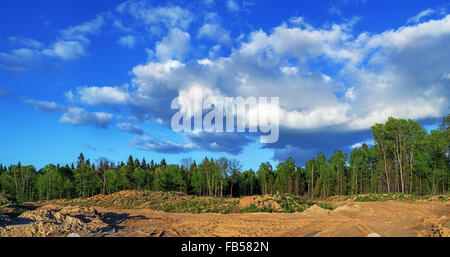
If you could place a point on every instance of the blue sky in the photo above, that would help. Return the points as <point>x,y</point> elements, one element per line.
<point>98,77</point>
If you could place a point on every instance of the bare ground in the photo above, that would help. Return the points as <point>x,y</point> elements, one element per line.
<point>349,219</point>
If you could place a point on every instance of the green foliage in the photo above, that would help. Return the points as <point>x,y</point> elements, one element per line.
<point>387,197</point>
<point>368,198</point>
<point>326,206</point>
<point>50,183</point>
<point>293,203</point>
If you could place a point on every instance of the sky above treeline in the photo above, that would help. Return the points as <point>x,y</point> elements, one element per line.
<point>98,76</point>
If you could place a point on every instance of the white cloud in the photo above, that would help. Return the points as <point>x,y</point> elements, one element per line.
<point>79,116</point>
<point>70,96</point>
<point>175,45</point>
<point>208,62</point>
<point>248,71</point>
<point>66,50</point>
<point>71,45</point>
<point>232,6</point>
<point>127,41</point>
<point>314,118</point>
<point>26,42</point>
<point>46,106</point>
<point>155,70</point>
<point>302,43</point>
<point>407,35</point>
<point>289,70</point>
<point>129,128</point>
<point>169,16</point>
<point>80,31</point>
<point>421,15</point>
<point>19,59</point>
<point>120,26</point>
<point>214,32</point>
<point>350,93</point>
<point>401,72</point>
<point>334,10</point>
<point>103,95</point>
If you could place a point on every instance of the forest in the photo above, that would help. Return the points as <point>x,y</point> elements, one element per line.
<point>404,159</point>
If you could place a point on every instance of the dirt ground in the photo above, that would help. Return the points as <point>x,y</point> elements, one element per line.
<point>349,219</point>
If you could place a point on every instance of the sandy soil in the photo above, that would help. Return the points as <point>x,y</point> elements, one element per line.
<point>393,218</point>
<point>356,219</point>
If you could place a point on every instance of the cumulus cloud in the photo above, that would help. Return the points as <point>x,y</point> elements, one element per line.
<point>398,82</point>
<point>155,70</point>
<point>79,116</point>
<point>362,78</point>
<point>102,95</point>
<point>214,32</point>
<point>175,45</point>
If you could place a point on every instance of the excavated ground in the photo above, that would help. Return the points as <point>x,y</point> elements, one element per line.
<point>349,219</point>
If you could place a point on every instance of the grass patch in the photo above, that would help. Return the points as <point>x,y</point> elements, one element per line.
<point>293,203</point>
<point>252,209</point>
<point>326,206</point>
<point>393,196</point>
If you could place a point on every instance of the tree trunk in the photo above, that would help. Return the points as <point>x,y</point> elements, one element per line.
<point>207,182</point>
<point>385,168</point>
<point>221,188</point>
<point>231,189</point>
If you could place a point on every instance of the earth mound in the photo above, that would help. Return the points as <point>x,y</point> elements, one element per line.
<point>259,202</point>
<point>316,210</point>
<point>54,221</point>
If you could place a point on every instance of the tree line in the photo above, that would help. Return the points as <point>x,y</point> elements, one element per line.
<point>404,159</point>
